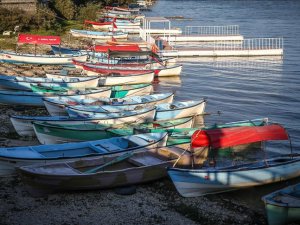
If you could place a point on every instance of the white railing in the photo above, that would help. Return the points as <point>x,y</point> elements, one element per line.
<point>246,44</point>
<point>212,30</point>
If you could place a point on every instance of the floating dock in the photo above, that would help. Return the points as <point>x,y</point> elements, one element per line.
<point>248,47</point>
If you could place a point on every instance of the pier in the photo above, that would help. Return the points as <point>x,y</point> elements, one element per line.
<point>247,47</point>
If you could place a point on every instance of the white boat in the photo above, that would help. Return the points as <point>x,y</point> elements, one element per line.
<point>23,124</point>
<point>213,179</point>
<point>57,105</point>
<point>98,34</point>
<point>17,58</point>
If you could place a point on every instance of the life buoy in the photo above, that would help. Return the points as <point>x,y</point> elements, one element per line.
<point>154,48</point>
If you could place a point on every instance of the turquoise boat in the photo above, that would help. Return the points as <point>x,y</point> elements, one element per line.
<point>283,206</point>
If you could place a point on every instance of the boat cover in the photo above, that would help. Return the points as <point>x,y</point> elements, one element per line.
<point>119,48</point>
<point>227,137</point>
<point>131,53</point>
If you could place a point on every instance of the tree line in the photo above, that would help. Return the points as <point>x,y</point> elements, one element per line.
<point>53,16</point>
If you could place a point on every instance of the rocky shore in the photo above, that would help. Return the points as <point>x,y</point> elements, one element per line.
<point>155,203</point>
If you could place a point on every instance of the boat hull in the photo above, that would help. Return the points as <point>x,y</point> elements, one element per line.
<point>192,183</point>
<point>42,60</point>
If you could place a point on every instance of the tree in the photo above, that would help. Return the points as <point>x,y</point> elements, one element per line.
<point>65,8</point>
<point>89,11</point>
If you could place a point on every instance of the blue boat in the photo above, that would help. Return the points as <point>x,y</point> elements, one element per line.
<point>10,158</point>
<point>29,98</point>
<point>213,179</point>
<point>24,83</point>
<point>58,50</point>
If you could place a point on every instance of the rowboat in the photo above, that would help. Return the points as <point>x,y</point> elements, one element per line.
<point>96,69</point>
<point>179,109</point>
<point>49,133</point>
<point>58,50</point>
<point>17,58</point>
<point>210,180</point>
<point>23,124</point>
<point>164,111</point>
<point>24,83</point>
<point>180,129</point>
<point>110,25</point>
<point>98,34</point>
<point>56,105</point>
<point>117,79</point>
<point>29,98</point>
<point>283,206</point>
<point>10,158</point>
<point>103,172</point>
<point>96,108</point>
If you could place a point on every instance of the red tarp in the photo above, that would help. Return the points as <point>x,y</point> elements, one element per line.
<point>38,39</point>
<point>105,48</point>
<point>226,137</point>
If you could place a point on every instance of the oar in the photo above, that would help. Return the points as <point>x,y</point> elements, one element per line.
<point>118,159</point>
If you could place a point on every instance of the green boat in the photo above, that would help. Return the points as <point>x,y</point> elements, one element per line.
<point>119,91</point>
<point>179,130</point>
<point>283,206</point>
<point>48,133</point>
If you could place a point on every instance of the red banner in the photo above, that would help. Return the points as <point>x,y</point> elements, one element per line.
<point>38,39</point>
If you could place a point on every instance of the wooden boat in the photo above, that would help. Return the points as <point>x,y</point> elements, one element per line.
<point>117,79</point>
<point>179,109</point>
<point>96,69</point>
<point>98,34</point>
<point>24,83</point>
<point>10,158</point>
<point>116,25</point>
<point>283,206</point>
<point>49,133</point>
<point>164,111</point>
<point>29,98</point>
<point>209,180</point>
<point>103,172</point>
<point>57,105</point>
<point>58,50</point>
<point>23,124</point>
<point>17,58</point>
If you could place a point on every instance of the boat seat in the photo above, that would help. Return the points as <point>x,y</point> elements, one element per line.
<point>110,147</point>
<point>97,149</point>
<point>145,160</point>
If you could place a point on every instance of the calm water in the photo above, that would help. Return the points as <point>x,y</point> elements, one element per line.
<point>242,88</point>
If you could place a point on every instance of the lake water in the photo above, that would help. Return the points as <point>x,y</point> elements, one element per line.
<point>242,88</point>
